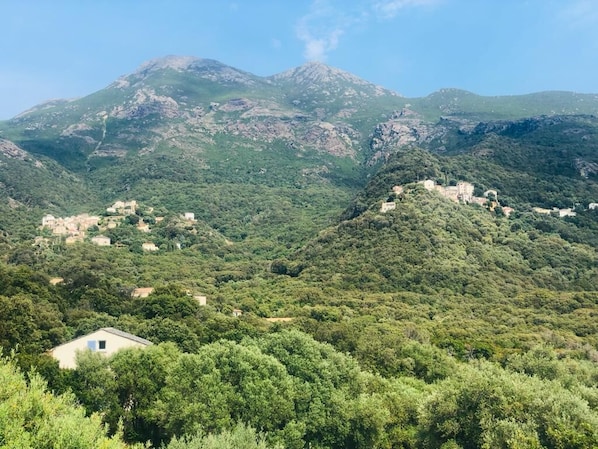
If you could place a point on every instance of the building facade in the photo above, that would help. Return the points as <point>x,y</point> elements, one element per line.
<point>106,340</point>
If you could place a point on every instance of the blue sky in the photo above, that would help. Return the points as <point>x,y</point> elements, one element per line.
<point>64,49</point>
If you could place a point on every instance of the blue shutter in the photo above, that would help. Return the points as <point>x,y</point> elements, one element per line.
<point>91,344</point>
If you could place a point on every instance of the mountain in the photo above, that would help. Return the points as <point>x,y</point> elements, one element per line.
<point>185,103</point>
<point>460,103</point>
<point>189,133</point>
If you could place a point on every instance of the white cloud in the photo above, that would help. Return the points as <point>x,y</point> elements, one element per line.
<point>327,21</point>
<point>388,9</point>
<point>321,29</point>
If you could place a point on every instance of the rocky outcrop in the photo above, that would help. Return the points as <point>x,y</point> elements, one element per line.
<point>404,128</point>
<point>81,131</point>
<point>331,139</point>
<point>586,168</point>
<point>10,150</point>
<point>146,102</point>
<point>315,75</point>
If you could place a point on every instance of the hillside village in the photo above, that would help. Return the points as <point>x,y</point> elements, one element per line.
<point>79,227</point>
<point>462,192</point>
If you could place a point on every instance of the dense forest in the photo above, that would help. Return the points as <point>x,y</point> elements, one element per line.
<point>436,324</point>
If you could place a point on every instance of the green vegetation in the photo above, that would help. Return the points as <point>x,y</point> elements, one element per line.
<point>433,325</point>
<point>33,418</point>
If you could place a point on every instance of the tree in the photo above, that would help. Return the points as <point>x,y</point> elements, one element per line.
<point>239,437</point>
<point>94,384</point>
<point>328,384</point>
<point>225,383</point>
<point>34,327</point>
<point>32,418</point>
<point>140,375</point>
<point>486,406</point>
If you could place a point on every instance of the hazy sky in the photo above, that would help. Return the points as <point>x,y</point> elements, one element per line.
<point>64,49</point>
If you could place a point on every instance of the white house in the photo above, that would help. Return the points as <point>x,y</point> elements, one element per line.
<point>106,340</point>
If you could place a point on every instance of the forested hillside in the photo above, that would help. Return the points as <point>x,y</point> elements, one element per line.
<point>310,279</point>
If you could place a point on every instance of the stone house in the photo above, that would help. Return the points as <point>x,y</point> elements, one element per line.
<point>101,240</point>
<point>566,212</point>
<point>463,191</point>
<point>143,226</point>
<point>123,207</point>
<point>72,239</point>
<point>48,220</point>
<point>149,246</point>
<point>106,341</point>
<point>142,292</point>
<point>201,300</point>
<point>389,205</point>
<point>428,184</point>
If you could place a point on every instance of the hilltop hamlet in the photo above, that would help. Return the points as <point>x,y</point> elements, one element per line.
<point>462,192</point>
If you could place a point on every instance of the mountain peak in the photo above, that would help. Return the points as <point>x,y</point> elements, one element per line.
<point>175,62</point>
<point>315,73</point>
<point>203,68</point>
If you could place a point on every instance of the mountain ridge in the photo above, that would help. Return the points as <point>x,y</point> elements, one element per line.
<point>182,119</point>
<point>316,72</point>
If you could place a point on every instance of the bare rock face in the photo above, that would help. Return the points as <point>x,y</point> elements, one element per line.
<point>81,131</point>
<point>324,137</point>
<point>328,138</point>
<point>333,82</point>
<point>586,168</point>
<point>404,128</point>
<point>147,102</point>
<point>10,150</point>
<point>237,104</point>
<point>178,63</point>
<point>265,130</point>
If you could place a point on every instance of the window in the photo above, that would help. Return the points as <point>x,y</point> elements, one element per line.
<point>91,344</point>
<point>102,345</point>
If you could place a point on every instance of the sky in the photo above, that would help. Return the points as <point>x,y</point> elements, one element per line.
<point>72,48</point>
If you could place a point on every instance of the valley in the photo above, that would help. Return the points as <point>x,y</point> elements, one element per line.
<point>329,320</point>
